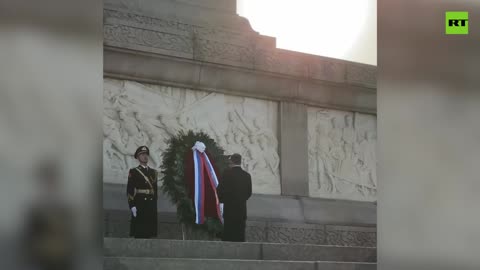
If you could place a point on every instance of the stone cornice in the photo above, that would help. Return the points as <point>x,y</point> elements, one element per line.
<point>229,60</point>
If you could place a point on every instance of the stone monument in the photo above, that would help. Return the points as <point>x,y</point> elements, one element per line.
<point>305,125</point>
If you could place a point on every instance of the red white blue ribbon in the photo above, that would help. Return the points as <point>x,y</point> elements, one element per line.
<point>201,162</point>
<point>214,183</point>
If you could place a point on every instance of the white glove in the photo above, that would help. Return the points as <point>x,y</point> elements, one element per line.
<point>134,211</point>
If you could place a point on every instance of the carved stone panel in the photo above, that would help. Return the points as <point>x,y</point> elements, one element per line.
<point>139,114</point>
<point>147,40</point>
<point>327,70</point>
<point>281,61</point>
<point>342,157</point>
<point>119,17</point>
<point>224,53</point>
<point>296,233</point>
<point>256,231</point>
<point>240,47</point>
<point>362,75</point>
<point>351,236</point>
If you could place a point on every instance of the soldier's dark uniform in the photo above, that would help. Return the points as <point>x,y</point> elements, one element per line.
<point>142,194</point>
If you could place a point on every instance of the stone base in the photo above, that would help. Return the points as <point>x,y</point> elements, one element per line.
<point>161,248</point>
<point>114,263</point>
<point>275,219</point>
<point>271,208</point>
<point>117,225</point>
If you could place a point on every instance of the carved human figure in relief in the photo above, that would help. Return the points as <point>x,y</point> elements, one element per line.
<point>233,147</point>
<point>270,156</point>
<point>231,127</point>
<point>258,167</point>
<point>118,99</point>
<point>167,124</point>
<point>246,148</point>
<point>155,132</point>
<point>266,145</point>
<point>218,135</point>
<point>337,152</point>
<point>266,140</point>
<point>258,128</point>
<point>367,160</point>
<point>113,146</point>
<point>254,160</point>
<point>183,122</point>
<point>259,164</point>
<point>250,161</point>
<point>322,149</point>
<point>233,137</point>
<point>348,172</point>
<point>348,133</point>
<point>129,125</point>
<point>130,135</point>
<point>252,147</point>
<point>361,166</point>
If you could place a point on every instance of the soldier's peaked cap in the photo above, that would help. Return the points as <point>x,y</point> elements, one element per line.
<point>142,149</point>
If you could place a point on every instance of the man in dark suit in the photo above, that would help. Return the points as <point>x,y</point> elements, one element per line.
<point>234,189</point>
<point>142,197</point>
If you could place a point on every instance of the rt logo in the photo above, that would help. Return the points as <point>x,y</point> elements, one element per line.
<point>456,23</point>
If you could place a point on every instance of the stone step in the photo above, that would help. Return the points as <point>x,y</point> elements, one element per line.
<point>162,248</point>
<point>124,263</point>
<point>117,224</point>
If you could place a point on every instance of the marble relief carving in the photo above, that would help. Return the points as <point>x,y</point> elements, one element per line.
<point>342,158</point>
<point>138,114</point>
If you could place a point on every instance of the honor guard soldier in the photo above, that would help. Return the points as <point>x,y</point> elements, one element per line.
<point>142,197</point>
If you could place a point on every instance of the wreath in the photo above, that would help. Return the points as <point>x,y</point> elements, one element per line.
<point>174,182</point>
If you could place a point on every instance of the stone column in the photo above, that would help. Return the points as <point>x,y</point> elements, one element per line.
<point>293,149</point>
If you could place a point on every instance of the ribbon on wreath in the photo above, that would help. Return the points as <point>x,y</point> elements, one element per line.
<point>202,164</point>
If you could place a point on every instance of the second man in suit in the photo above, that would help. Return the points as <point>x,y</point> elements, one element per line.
<point>234,189</point>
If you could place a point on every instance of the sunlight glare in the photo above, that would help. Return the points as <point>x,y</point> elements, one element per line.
<point>322,27</point>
